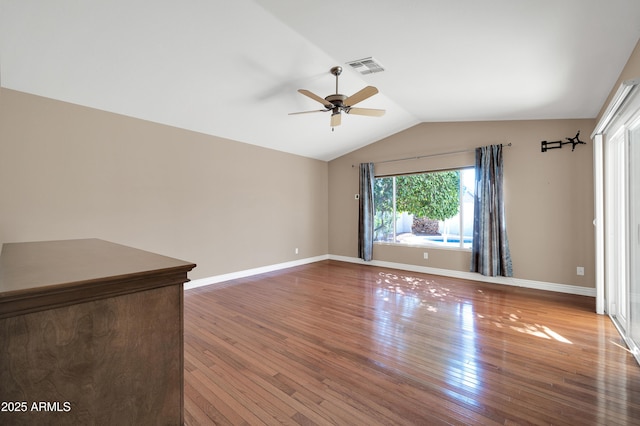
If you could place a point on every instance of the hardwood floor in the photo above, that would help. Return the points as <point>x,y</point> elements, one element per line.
<point>346,344</point>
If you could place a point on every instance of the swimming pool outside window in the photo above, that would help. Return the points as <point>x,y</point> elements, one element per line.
<point>425,209</point>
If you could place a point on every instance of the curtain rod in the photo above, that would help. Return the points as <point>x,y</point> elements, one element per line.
<point>432,155</point>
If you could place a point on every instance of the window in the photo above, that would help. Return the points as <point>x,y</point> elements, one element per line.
<point>425,209</point>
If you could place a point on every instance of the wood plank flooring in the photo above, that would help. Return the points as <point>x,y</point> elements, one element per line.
<point>347,344</point>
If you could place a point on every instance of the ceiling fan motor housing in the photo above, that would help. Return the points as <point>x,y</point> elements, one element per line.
<point>337,100</point>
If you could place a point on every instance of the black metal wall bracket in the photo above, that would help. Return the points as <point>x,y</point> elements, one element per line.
<point>574,141</point>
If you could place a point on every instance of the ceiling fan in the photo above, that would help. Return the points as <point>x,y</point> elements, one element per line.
<point>338,103</point>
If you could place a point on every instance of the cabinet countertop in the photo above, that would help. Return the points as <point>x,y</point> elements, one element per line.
<point>38,275</point>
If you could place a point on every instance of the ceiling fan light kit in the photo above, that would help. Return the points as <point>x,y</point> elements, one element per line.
<point>338,103</point>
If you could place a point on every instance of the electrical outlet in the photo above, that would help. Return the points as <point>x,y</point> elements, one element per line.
<point>296,250</point>
<point>580,270</point>
<point>426,255</point>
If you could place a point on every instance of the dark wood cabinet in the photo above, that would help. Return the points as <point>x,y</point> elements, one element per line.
<point>91,332</point>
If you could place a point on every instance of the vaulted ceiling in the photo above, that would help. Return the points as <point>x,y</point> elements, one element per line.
<point>232,68</point>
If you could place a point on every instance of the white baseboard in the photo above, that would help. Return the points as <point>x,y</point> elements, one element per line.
<point>249,272</point>
<point>518,282</point>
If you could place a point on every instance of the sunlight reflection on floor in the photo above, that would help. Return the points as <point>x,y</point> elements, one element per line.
<point>413,292</point>
<point>400,299</point>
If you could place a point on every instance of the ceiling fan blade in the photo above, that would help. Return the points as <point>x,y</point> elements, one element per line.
<point>308,112</point>
<point>371,112</point>
<point>360,96</point>
<point>316,98</point>
<point>336,119</point>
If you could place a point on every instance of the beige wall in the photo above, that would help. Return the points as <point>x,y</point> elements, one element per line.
<point>549,196</point>
<point>72,172</point>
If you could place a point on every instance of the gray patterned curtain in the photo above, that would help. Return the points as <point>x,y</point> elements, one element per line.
<point>490,249</point>
<point>365,217</point>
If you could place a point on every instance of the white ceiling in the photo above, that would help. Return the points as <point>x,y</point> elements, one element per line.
<point>232,68</point>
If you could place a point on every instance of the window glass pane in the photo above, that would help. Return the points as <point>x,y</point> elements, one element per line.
<point>468,186</point>
<point>383,225</point>
<point>430,209</point>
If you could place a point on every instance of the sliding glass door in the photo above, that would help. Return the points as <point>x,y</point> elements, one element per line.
<point>633,332</point>
<point>622,221</point>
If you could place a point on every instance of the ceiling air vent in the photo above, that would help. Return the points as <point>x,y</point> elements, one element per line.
<point>366,66</point>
